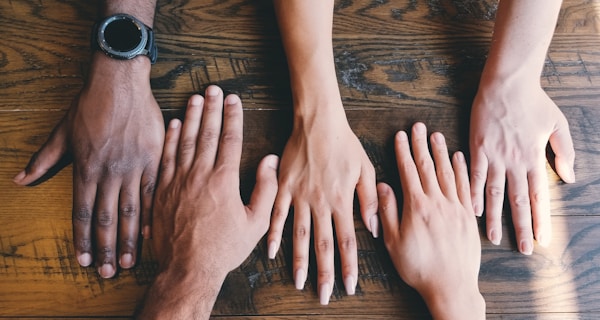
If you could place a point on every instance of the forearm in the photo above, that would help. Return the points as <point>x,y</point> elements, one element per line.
<point>177,294</point>
<point>122,75</point>
<point>141,9</point>
<point>522,35</point>
<point>306,29</point>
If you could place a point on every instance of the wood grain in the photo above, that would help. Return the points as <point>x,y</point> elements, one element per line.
<point>397,62</point>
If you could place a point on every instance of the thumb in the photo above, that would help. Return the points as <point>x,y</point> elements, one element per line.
<point>265,190</point>
<point>46,157</point>
<point>562,145</point>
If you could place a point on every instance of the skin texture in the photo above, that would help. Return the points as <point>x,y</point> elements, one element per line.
<point>317,177</point>
<point>435,245</point>
<point>202,229</point>
<point>114,133</point>
<point>513,120</point>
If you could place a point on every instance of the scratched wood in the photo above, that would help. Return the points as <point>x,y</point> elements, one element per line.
<point>397,62</point>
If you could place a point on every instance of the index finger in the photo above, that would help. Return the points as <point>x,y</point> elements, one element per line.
<point>409,177</point>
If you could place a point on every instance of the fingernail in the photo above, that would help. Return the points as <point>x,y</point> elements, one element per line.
<point>374,224</point>
<point>495,237</point>
<point>212,91</point>
<point>20,176</point>
<point>84,259</point>
<point>350,285</point>
<point>419,127</point>
<point>126,260</point>
<point>272,249</point>
<point>324,294</point>
<point>460,157</point>
<point>477,209</point>
<point>273,162</point>
<point>232,99</point>
<point>438,138</point>
<point>402,136</point>
<point>300,279</point>
<point>196,100</point>
<point>146,232</point>
<point>526,247</point>
<point>106,271</point>
<point>174,123</point>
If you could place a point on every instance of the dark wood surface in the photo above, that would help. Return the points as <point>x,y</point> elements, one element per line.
<point>397,62</point>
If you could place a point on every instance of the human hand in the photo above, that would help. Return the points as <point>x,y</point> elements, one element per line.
<point>435,247</point>
<point>322,164</point>
<point>511,125</point>
<point>114,132</point>
<point>202,229</point>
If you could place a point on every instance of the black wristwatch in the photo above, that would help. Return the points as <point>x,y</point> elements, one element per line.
<point>124,37</point>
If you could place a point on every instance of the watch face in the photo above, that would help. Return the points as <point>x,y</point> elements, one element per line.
<point>122,35</point>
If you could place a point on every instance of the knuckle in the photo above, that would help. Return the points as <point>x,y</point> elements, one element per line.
<point>105,218</point>
<point>299,259</point>
<point>83,245</point>
<point>324,245</point>
<point>149,186</point>
<point>128,211</point>
<point>538,197</point>
<point>478,175</point>
<point>86,173</point>
<point>521,201</point>
<point>300,232</point>
<point>372,205</point>
<point>347,243</point>
<point>494,191</point>
<point>187,146</point>
<point>325,274</point>
<point>425,163</point>
<point>209,134</point>
<point>280,214</point>
<point>167,163</point>
<point>231,138</point>
<point>82,214</point>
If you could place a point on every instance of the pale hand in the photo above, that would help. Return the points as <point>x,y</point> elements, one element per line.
<point>322,165</point>
<point>435,247</point>
<point>511,126</point>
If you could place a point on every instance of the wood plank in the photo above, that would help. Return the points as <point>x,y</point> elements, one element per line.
<point>397,62</point>
<point>39,268</point>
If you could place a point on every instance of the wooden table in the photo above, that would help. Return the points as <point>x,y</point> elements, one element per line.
<point>397,61</point>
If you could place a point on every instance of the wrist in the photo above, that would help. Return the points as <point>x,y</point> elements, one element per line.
<point>455,304</point>
<point>181,291</point>
<point>108,72</point>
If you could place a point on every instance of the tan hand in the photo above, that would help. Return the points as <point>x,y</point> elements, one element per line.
<point>510,128</point>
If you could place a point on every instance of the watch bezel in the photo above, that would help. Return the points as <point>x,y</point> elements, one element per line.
<point>140,49</point>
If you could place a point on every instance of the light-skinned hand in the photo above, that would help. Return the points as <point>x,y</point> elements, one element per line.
<point>511,126</point>
<point>435,244</point>
<point>321,167</point>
